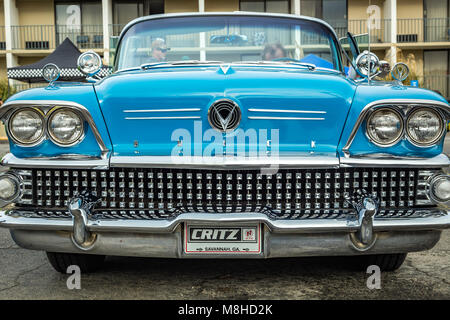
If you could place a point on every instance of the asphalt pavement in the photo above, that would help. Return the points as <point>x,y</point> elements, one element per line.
<point>26,274</point>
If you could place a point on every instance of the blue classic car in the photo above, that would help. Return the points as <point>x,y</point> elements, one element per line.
<point>227,135</point>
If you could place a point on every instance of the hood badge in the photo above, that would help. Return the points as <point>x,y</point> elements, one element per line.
<point>400,72</point>
<point>224,115</point>
<point>51,73</point>
<point>225,68</point>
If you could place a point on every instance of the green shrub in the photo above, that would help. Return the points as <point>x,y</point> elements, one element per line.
<point>4,93</point>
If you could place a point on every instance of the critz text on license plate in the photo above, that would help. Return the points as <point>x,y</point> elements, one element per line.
<point>231,239</point>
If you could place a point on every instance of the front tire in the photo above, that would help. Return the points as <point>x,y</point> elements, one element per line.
<point>386,262</point>
<point>86,262</point>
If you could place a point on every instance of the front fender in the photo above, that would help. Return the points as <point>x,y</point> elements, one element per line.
<point>82,94</point>
<point>370,94</point>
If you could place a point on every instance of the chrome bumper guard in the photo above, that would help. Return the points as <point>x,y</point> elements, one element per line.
<point>282,238</point>
<point>13,220</point>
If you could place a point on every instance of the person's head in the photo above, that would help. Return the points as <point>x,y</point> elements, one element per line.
<point>159,49</point>
<point>273,51</point>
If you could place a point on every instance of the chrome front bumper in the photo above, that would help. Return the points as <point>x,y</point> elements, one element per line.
<point>282,238</point>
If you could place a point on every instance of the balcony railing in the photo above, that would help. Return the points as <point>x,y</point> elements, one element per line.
<point>423,30</point>
<point>380,32</point>
<point>41,37</point>
<point>44,37</point>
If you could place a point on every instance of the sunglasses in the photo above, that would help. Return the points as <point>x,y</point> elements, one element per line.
<point>162,50</point>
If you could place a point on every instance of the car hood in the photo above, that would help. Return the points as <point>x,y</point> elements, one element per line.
<point>163,111</point>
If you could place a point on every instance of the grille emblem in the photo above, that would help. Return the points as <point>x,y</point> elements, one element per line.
<point>224,115</point>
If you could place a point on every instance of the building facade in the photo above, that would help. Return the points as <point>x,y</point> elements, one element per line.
<point>414,31</point>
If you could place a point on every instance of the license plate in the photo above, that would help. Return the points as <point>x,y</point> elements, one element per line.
<point>201,239</point>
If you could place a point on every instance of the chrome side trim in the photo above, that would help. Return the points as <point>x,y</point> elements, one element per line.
<point>163,110</point>
<point>9,220</point>
<point>283,118</point>
<point>406,102</point>
<point>161,118</point>
<point>10,160</point>
<point>439,161</point>
<point>47,105</point>
<point>286,111</point>
<point>233,65</point>
<point>310,161</point>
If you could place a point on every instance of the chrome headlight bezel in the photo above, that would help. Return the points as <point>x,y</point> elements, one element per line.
<point>18,182</point>
<point>400,134</point>
<point>36,141</point>
<point>432,180</point>
<point>435,140</point>
<point>56,140</point>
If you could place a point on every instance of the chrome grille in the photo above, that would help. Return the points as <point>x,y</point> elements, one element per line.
<point>167,192</point>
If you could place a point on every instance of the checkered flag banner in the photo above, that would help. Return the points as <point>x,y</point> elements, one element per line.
<point>66,73</point>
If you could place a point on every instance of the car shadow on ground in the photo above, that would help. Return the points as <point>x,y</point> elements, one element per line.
<point>234,266</point>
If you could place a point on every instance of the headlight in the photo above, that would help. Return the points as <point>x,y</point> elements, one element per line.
<point>65,127</point>
<point>9,188</point>
<point>89,63</point>
<point>385,127</point>
<point>440,188</point>
<point>26,127</point>
<point>424,126</point>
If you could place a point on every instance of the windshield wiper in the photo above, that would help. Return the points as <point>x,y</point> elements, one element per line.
<point>146,66</point>
<point>295,62</point>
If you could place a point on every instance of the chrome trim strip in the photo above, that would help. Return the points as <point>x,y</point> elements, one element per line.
<point>277,226</point>
<point>163,110</point>
<point>49,104</point>
<point>233,65</point>
<point>439,161</point>
<point>269,162</point>
<point>161,118</point>
<point>396,102</point>
<point>10,160</point>
<point>287,111</point>
<point>310,161</point>
<point>283,118</point>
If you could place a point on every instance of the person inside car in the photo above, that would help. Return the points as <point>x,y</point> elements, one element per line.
<point>159,50</point>
<point>273,51</point>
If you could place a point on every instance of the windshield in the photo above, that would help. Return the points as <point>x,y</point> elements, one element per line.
<point>227,39</point>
